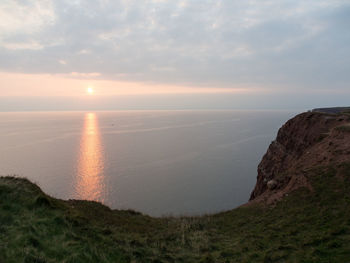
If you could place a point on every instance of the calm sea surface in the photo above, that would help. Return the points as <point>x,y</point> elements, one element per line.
<point>156,162</point>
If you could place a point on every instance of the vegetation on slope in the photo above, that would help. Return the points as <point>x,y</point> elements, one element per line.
<point>305,226</point>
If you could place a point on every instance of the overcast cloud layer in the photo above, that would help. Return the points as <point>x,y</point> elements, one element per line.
<point>283,45</point>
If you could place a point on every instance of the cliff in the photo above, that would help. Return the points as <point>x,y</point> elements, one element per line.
<point>307,141</point>
<point>334,110</point>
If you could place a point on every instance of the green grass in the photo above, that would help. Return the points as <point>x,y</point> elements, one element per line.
<point>304,227</point>
<point>343,128</point>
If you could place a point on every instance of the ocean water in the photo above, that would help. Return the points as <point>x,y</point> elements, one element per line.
<point>155,162</point>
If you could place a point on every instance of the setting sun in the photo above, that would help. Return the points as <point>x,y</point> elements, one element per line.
<point>90,90</point>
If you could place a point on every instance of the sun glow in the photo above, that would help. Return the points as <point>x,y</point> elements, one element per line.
<point>90,183</point>
<point>90,90</point>
<point>34,85</point>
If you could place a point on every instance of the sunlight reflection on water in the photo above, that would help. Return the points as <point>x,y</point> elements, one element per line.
<point>90,179</point>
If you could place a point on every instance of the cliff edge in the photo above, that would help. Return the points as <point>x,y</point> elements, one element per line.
<point>308,140</point>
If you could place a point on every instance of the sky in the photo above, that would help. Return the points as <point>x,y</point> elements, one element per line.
<point>184,54</point>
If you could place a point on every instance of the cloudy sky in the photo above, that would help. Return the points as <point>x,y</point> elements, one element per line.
<point>159,54</point>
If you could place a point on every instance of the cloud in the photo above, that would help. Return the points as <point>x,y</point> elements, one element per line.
<point>223,44</point>
<point>85,75</point>
<point>25,16</point>
<point>30,45</point>
<point>22,20</point>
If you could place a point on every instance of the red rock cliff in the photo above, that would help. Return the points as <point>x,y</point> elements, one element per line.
<point>308,140</point>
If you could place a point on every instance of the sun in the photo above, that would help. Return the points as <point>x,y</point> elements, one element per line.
<point>90,90</point>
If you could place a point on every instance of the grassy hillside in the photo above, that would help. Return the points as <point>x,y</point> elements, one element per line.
<point>304,227</point>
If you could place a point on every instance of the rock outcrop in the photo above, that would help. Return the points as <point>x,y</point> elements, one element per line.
<point>309,140</point>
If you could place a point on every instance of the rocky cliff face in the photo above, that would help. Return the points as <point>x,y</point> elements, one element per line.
<point>308,140</point>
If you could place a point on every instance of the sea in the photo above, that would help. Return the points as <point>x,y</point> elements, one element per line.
<point>160,163</point>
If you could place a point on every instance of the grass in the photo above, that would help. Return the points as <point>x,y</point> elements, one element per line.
<point>303,227</point>
<point>343,128</point>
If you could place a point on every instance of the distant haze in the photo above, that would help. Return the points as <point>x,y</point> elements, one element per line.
<point>159,54</point>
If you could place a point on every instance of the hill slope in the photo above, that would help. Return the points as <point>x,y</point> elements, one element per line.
<point>309,222</point>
